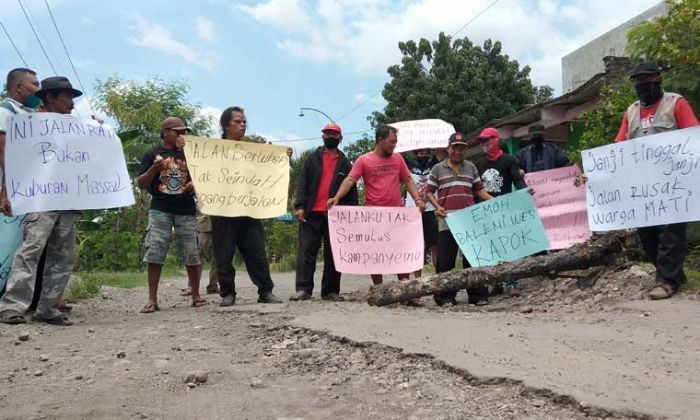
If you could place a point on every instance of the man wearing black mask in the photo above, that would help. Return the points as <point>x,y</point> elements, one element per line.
<point>323,172</point>
<point>540,155</point>
<point>655,112</point>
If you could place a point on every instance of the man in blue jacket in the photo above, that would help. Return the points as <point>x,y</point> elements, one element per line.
<point>323,172</point>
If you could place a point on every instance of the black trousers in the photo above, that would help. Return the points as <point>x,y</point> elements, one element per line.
<point>447,255</point>
<point>245,233</point>
<point>666,247</point>
<point>311,233</point>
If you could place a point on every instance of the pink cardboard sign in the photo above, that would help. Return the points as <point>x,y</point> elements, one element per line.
<point>376,240</point>
<point>561,206</point>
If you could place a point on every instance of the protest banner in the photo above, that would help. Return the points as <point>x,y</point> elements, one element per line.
<point>422,134</point>
<point>505,228</point>
<point>236,178</point>
<point>61,162</point>
<point>561,206</point>
<point>647,181</point>
<point>376,240</point>
<point>11,234</point>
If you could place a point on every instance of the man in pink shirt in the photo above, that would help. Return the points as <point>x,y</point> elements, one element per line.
<point>382,171</point>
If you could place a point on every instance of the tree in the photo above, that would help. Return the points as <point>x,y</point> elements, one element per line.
<point>673,40</point>
<point>138,110</point>
<point>458,82</point>
<point>359,147</point>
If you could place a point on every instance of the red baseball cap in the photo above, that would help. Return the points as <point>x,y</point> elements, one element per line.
<point>332,127</point>
<point>488,134</point>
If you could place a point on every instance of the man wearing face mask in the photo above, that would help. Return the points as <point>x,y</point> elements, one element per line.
<point>499,173</point>
<point>420,167</point>
<point>21,86</point>
<point>540,154</point>
<point>323,172</point>
<point>655,112</point>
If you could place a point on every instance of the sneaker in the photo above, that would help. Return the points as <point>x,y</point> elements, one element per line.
<point>269,298</point>
<point>300,295</point>
<point>661,291</point>
<point>228,300</point>
<point>333,297</point>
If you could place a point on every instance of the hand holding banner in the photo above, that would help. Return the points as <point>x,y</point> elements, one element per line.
<point>61,162</point>
<point>647,181</point>
<point>422,134</point>
<point>560,205</point>
<point>505,228</point>
<point>376,240</point>
<point>236,178</point>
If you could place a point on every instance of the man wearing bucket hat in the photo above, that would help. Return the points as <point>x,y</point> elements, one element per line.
<point>54,230</point>
<point>164,174</point>
<point>655,112</point>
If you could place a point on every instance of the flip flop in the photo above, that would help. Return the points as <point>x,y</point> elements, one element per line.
<point>186,292</point>
<point>149,308</point>
<point>14,319</point>
<point>198,303</point>
<point>61,320</point>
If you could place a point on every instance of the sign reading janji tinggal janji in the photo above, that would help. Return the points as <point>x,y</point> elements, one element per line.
<point>235,178</point>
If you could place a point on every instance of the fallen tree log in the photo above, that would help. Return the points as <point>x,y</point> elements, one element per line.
<point>600,250</point>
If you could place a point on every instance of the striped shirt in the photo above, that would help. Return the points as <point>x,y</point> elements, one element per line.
<point>455,189</point>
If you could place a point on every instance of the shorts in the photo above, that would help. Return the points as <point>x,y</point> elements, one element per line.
<point>430,229</point>
<point>157,239</point>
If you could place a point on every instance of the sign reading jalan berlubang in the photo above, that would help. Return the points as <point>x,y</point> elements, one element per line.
<point>235,178</point>
<point>646,181</point>
<point>61,162</point>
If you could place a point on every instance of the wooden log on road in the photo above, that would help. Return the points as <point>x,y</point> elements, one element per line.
<point>600,250</point>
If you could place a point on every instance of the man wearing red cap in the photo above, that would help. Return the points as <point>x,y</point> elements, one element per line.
<point>499,173</point>
<point>323,172</point>
<point>164,174</point>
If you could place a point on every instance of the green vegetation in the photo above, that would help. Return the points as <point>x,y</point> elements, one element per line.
<point>88,284</point>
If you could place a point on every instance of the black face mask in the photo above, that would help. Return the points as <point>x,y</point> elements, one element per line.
<point>423,159</point>
<point>331,143</point>
<point>538,140</point>
<point>649,92</point>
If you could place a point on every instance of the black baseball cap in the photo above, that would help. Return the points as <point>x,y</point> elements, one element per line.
<point>645,67</point>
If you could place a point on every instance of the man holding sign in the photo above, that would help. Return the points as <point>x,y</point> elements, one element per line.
<point>53,229</point>
<point>655,112</point>
<point>456,181</point>
<point>383,171</point>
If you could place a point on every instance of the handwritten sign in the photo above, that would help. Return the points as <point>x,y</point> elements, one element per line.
<point>376,240</point>
<point>561,206</point>
<point>422,134</point>
<point>11,234</point>
<point>505,228</point>
<point>61,162</point>
<point>235,178</point>
<point>646,181</point>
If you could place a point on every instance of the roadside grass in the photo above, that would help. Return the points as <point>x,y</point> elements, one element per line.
<point>693,284</point>
<point>87,283</point>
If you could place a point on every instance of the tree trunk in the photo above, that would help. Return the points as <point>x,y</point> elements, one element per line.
<point>599,251</point>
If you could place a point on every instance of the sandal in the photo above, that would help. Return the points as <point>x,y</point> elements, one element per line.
<point>198,303</point>
<point>13,319</point>
<point>65,307</point>
<point>186,292</point>
<point>61,320</point>
<point>149,308</point>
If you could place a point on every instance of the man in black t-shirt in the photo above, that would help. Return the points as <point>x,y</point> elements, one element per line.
<point>499,173</point>
<point>164,174</point>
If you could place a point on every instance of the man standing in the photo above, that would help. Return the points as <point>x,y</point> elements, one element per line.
<point>383,171</point>
<point>540,155</point>
<point>655,112</point>
<point>164,174</point>
<point>244,233</point>
<point>323,172</point>
<point>420,167</point>
<point>457,182</point>
<point>499,173</point>
<point>54,230</point>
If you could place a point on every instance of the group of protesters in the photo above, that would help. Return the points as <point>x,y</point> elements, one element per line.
<point>437,182</point>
